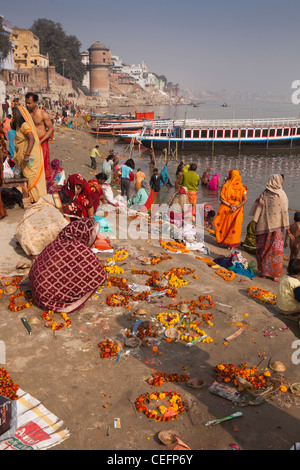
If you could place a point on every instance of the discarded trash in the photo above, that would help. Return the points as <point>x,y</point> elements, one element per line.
<point>235,335</point>
<point>213,422</point>
<point>239,398</point>
<point>197,340</point>
<point>2,353</point>
<point>117,423</point>
<point>295,446</point>
<point>27,326</point>
<point>156,294</point>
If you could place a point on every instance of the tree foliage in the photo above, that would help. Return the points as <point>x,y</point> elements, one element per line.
<point>5,43</point>
<point>63,50</point>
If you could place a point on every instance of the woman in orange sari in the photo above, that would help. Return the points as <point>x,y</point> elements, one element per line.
<point>29,154</point>
<point>229,219</point>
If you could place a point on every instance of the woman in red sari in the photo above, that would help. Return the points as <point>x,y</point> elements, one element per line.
<point>67,273</point>
<point>80,193</point>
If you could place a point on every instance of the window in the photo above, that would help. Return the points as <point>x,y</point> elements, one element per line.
<point>235,133</point>
<point>298,130</point>
<point>220,133</point>
<point>279,132</point>
<point>227,133</point>
<point>243,133</point>
<point>265,133</point>
<point>257,133</point>
<point>204,134</point>
<point>212,133</point>
<point>196,134</point>
<point>250,133</point>
<point>272,132</point>
<point>293,130</point>
<point>188,134</point>
<point>286,131</point>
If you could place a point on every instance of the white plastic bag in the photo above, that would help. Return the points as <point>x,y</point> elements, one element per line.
<point>7,170</point>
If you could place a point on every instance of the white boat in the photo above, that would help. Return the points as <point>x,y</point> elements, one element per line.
<point>194,134</point>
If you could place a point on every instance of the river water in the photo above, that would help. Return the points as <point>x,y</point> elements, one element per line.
<point>255,168</point>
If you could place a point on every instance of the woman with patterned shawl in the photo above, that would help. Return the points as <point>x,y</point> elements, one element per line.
<point>67,273</point>
<point>229,219</point>
<point>270,214</point>
<point>28,153</point>
<point>80,193</point>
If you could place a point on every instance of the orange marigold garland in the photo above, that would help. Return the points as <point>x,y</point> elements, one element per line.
<point>117,300</point>
<point>173,246</point>
<point>108,349</point>
<point>229,372</point>
<point>226,274</point>
<point>158,378</point>
<point>47,315</point>
<point>161,413</point>
<point>8,388</point>
<point>143,333</point>
<point>263,295</point>
<point>17,308</point>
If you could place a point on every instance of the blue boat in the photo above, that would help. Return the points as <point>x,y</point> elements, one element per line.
<point>209,134</point>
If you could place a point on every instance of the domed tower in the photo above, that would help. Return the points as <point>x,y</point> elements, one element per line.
<point>99,63</point>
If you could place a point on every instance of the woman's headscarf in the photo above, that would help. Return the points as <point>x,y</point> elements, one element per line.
<point>84,200</point>
<point>146,186</point>
<point>97,192</point>
<point>233,190</point>
<point>270,210</point>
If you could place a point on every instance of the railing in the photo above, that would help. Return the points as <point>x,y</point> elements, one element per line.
<point>186,123</point>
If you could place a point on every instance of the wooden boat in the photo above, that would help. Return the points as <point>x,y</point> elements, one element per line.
<point>207,134</point>
<point>118,127</point>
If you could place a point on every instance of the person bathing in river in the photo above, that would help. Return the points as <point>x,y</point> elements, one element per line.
<point>295,231</point>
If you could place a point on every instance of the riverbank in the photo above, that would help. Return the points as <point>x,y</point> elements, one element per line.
<point>65,372</point>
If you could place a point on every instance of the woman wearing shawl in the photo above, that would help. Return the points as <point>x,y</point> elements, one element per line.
<point>179,205</point>
<point>229,219</point>
<point>141,197</point>
<point>58,177</point>
<point>270,214</point>
<point>28,153</point>
<point>97,194</point>
<point>80,193</point>
<point>67,273</point>
<point>42,222</point>
<point>165,179</point>
<point>205,177</point>
<point>213,185</point>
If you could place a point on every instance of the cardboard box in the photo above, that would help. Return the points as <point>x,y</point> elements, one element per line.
<point>5,414</point>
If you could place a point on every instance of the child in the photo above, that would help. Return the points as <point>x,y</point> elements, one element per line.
<point>288,298</point>
<point>295,239</point>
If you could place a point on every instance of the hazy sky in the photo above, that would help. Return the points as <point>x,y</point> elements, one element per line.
<point>238,45</point>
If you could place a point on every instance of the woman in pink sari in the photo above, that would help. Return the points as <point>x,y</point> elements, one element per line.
<point>67,273</point>
<point>213,185</point>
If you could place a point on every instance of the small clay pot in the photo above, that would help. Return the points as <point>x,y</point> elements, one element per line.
<point>168,437</point>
